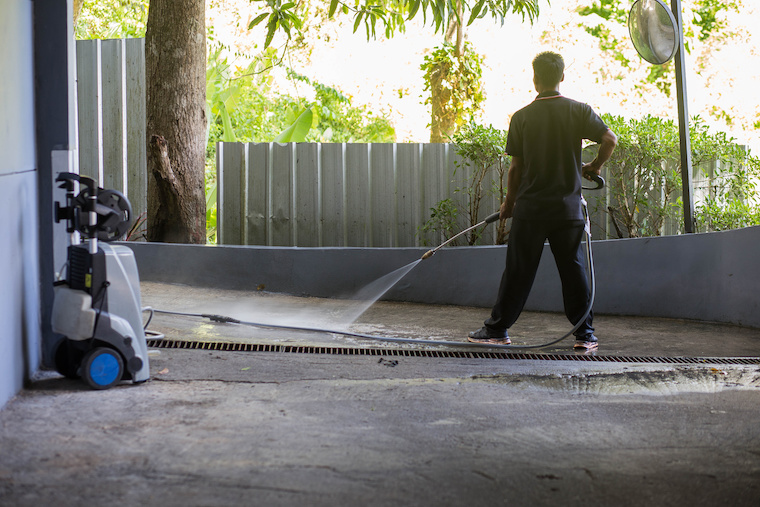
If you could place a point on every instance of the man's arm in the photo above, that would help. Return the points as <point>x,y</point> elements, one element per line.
<point>609,141</point>
<point>514,176</point>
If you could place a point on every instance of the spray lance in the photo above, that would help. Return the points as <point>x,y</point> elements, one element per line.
<point>489,219</point>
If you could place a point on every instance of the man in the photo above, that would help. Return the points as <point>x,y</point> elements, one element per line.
<point>544,201</point>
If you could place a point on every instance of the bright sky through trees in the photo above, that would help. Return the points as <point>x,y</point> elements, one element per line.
<point>384,74</point>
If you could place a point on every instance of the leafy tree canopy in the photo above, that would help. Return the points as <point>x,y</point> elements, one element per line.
<point>112,19</point>
<point>391,15</point>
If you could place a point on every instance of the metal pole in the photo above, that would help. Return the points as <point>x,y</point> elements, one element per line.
<point>55,110</point>
<point>683,123</point>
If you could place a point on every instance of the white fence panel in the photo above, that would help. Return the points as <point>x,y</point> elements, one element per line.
<point>409,215</point>
<point>137,158</point>
<point>231,187</point>
<point>356,195</point>
<point>257,206</point>
<point>111,116</point>
<point>307,195</point>
<point>280,191</point>
<point>333,215</point>
<point>382,195</point>
<point>90,109</point>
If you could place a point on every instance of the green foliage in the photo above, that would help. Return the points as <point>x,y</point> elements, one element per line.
<point>454,83</point>
<point>662,77</point>
<point>297,131</point>
<point>644,177</point>
<point>245,106</point>
<point>485,164</point>
<point>455,88</point>
<point>642,180</point>
<point>601,17</point>
<point>279,16</point>
<point>222,92</point>
<point>443,220</point>
<point>606,9</point>
<point>389,15</point>
<point>708,146</point>
<point>458,81</point>
<point>731,199</point>
<point>337,120</point>
<point>112,19</point>
<point>211,209</point>
<point>482,152</point>
<point>706,16</point>
<point>713,215</point>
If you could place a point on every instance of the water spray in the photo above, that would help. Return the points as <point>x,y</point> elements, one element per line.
<point>489,219</point>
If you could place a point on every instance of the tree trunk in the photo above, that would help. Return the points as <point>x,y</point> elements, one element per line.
<point>77,8</point>
<point>455,30</point>
<point>443,121</point>
<point>175,67</point>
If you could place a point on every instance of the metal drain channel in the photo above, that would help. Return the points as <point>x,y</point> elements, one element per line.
<point>354,351</point>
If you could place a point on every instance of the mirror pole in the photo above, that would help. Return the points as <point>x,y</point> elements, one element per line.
<point>683,123</point>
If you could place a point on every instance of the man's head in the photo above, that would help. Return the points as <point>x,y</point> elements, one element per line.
<point>548,70</point>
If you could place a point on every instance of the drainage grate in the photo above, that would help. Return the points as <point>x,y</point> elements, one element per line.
<point>348,351</point>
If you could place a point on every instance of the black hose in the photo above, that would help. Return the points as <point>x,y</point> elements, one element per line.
<point>231,320</point>
<point>445,343</point>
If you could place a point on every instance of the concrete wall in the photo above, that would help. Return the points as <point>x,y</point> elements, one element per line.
<point>19,276</point>
<point>711,277</point>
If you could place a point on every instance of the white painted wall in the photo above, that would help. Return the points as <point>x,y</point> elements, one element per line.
<point>19,271</point>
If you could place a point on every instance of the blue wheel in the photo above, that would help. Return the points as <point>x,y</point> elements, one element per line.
<point>102,368</point>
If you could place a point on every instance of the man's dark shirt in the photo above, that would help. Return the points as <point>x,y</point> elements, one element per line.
<point>548,135</point>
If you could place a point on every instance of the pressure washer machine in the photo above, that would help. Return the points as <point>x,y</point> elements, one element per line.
<point>97,305</point>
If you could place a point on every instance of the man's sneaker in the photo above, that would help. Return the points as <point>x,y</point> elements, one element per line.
<point>586,343</point>
<point>482,335</point>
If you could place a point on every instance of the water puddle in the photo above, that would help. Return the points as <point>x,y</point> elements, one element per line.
<point>656,382</point>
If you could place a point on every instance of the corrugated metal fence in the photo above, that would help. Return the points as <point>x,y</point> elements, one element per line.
<point>111,115</point>
<point>314,194</point>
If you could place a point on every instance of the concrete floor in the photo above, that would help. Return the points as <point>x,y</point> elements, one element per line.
<point>618,336</point>
<point>237,428</point>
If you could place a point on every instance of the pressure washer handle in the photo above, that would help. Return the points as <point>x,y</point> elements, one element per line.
<point>596,179</point>
<point>492,218</point>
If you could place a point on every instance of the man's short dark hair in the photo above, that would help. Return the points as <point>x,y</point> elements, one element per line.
<point>548,68</point>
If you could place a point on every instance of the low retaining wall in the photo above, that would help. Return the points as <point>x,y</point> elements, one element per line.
<point>711,277</point>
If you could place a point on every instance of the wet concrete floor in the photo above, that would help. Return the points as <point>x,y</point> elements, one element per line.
<point>618,336</point>
<point>213,428</point>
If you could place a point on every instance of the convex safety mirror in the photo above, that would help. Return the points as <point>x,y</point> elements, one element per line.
<point>654,31</point>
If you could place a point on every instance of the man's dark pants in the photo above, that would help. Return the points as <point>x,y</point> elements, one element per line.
<point>526,243</point>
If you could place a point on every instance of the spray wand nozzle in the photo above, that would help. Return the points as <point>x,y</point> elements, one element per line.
<point>489,220</point>
<point>492,217</point>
